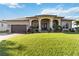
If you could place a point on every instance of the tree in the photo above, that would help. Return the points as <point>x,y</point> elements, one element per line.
<point>77,23</point>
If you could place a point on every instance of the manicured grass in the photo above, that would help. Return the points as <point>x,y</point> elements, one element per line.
<point>41,44</point>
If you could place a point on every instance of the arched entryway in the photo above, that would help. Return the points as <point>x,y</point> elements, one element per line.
<point>34,26</point>
<point>35,23</point>
<point>45,24</point>
<point>55,22</point>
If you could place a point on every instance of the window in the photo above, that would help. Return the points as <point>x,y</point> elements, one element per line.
<point>66,26</point>
<point>2,24</point>
<point>35,23</point>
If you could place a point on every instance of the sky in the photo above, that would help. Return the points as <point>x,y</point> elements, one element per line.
<point>17,10</point>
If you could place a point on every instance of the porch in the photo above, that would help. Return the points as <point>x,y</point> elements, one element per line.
<point>44,25</point>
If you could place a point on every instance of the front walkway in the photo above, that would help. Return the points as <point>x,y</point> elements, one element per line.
<point>4,36</point>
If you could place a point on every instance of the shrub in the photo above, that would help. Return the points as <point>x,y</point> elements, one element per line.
<point>50,30</point>
<point>57,28</point>
<point>30,30</point>
<point>5,31</point>
<point>33,29</point>
<point>77,29</point>
<point>72,30</point>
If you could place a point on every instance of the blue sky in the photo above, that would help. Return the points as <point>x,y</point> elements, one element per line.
<point>16,10</point>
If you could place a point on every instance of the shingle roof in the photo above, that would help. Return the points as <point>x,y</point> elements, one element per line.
<point>27,18</point>
<point>68,19</point>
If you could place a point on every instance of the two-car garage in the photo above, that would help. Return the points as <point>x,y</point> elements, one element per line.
<point>18,28</point>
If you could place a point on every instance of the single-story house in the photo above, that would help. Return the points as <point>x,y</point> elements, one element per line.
<point>41,22</point>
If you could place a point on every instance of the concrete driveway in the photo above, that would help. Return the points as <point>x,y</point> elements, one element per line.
<point>4,36</point>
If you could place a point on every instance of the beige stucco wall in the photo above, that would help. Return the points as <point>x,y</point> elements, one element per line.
<point>45,17</point>
<point>18,22</point>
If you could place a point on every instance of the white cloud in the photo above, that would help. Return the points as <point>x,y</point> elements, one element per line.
<point>12,5</point>
<point>38,3</point>
<point>60,11</point>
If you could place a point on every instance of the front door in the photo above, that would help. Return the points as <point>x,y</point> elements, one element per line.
<point>44,26</point>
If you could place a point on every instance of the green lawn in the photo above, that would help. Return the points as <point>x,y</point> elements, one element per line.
<point>41,44</point>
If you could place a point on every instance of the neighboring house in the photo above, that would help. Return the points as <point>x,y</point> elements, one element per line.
<point>3,26</point>
<point>41,22</point>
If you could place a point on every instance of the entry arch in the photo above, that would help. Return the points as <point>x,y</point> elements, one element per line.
<point>45,24</point>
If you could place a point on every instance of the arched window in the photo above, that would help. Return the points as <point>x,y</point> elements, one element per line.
<point>35,23</point>
<point>55,22</point>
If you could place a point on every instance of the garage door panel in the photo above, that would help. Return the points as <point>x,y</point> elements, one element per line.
<point>18,28</point>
